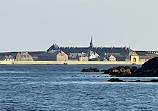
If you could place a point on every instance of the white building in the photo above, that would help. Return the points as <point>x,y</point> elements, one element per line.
<point>112,58</point>
<point>92,55</point>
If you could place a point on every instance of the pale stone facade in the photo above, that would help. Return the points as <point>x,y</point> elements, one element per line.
<point>112,58</point>
<point>23,56</point>
<point>9,58</point>
<point>83,58</point>
<point>53,56</point>
<point>61,56</point>
<point>78,56</point>
<point>92,55</point>
<point>134,58</point>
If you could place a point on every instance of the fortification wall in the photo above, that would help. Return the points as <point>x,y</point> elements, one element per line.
<point>98,62</point>
<point>6,62</point>
<point>39,62</point>
<point>69,62</point>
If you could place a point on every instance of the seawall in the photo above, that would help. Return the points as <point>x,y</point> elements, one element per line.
<point>6,62</point>
<point>68,62</point>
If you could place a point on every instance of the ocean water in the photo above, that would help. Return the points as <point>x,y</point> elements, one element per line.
<point>66,88</point>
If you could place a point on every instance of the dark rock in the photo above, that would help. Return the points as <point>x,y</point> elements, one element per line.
<point>152,64</point>
<point>154,80</point>
<point>105,71</point>
<point>148,69</point>
<point>90,70</point>
<point>88,94</point>
<point>101,98</point>
<point>120,70</point>
<point>136,81</point>
<point>116,80</point>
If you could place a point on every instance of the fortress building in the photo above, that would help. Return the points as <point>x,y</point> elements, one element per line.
<point>23,56</point>
<point>120,53</point>
<point>89,53</point>
<point>53,56</point>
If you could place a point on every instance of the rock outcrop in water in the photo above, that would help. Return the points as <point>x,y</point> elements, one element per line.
<point>90,70</point>
<point>120,70</point>
<point>118,80</point>
<point>148,69</point>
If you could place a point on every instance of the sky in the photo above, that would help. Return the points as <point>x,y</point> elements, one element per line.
<point>34,25</point>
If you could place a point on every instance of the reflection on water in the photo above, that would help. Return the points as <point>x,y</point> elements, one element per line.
<point>65,88</point>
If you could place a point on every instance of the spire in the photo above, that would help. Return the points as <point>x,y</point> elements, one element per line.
<point>91,43</point>
<point>91,39</point>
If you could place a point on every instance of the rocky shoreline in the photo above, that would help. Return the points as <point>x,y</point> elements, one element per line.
<point>119,80</point>
<point>91,69</point>
<point>148,69</point>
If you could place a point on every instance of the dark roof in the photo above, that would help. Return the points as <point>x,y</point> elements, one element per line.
<point>117,58</point>
<point>141,53</point>
<point>53,47</point>
<point>100,50</point>
<point>47,56</point>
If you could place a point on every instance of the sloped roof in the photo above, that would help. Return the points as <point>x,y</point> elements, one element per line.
<point>99,50</point>
<point>47,56</point>
<point>53,47</point>
<point>112,57</point>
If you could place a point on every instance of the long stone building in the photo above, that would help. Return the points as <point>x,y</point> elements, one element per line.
<point>53,56</point>
<point>94,53</point>
<point>90,53</point>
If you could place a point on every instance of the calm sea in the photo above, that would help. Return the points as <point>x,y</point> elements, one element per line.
<point>66,88</point>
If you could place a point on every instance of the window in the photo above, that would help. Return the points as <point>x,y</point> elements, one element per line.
<point>134,59</point>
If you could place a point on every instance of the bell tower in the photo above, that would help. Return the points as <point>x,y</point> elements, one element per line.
<point>91,43</point>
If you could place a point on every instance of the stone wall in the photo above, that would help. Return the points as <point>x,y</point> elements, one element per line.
<point>70,62</point>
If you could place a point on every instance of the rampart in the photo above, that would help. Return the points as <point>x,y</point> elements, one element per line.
<point>68,62</point>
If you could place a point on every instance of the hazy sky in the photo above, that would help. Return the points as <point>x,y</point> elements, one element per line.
<point>37,24</point>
